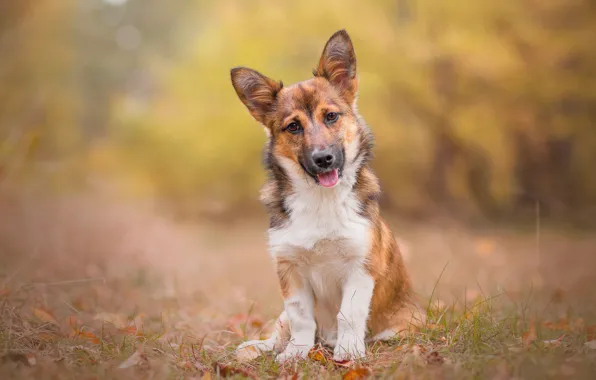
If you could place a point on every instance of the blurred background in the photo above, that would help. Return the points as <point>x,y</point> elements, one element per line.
<point>120,132</point>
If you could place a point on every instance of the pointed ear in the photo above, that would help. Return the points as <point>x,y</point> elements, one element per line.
<point>338,65</point>
<point>255,90</point>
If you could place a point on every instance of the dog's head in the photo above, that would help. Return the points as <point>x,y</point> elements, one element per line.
<point>313,126</point>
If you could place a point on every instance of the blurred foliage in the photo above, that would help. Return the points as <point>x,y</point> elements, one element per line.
<point>479,108</point>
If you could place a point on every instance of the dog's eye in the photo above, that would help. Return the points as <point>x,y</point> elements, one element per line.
<point>293,128</point>
<point>331,117</point>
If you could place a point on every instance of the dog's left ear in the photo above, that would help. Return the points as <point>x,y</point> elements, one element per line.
<point>338,65</point>
<point>256,91</point>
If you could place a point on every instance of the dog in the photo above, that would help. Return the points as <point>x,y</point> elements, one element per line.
<point>340,270</point>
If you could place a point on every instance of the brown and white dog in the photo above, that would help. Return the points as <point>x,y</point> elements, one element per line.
<point>340,270</point>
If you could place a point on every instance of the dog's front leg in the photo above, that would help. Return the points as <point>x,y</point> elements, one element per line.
<point>353,315</point>
<point>299,307</point>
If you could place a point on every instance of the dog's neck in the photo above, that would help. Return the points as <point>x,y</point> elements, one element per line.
<point>285,193</point>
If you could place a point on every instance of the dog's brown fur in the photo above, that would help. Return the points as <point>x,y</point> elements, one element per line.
<point>333,89</point>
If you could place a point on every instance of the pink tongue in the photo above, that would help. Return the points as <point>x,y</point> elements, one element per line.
<point>328,179</point>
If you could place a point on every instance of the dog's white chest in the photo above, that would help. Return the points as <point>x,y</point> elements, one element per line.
<point>318,214</point>
<point>327,239</point>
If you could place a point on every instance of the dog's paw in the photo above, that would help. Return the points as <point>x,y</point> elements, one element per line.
<point>349,347</point>
<point>293,352</point>
<point>252,349</point>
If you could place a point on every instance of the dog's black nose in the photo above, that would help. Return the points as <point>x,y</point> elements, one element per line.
<point>323,158</point>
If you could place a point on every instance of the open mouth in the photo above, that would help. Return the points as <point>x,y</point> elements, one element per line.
<point>328,179</point>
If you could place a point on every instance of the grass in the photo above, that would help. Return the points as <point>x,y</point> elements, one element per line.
<point>61,333</point>
<point>90,291</point>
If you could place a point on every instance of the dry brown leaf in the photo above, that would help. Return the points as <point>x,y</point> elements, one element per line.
<point>357,373</point>
<point>88,335</point>
<point>226,371</point>
<point>31,360</point>
<point>247,353</point>
<point>434,358</point>
<point>45,315</point>
<point>130,330</point>
<point>557,296</point>
<point>485,247</point>
<point>185,365</point>
<point>293,376</point>
<point>561,325</point>
<point>418,350</point>
<point>4,291</point>
<point>555,342</point>
<point>135,359</point>
<point>591,333</point>
<point>343,363</point>
<point>28,360</point>
<point>319,354</point>
<point>529,336</point>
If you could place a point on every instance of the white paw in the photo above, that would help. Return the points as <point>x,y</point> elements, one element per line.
<point>293,352</point>
<point>252,349</point>
<point>349,347</point>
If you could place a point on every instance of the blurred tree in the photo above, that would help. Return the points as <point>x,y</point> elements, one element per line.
<point>479,108</point>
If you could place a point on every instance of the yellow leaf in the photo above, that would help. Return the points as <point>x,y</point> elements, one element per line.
<point>357,373</point>
<point>45,315</point>
<point>317,355</point>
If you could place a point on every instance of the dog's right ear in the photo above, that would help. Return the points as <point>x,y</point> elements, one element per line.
<point>255,90</point>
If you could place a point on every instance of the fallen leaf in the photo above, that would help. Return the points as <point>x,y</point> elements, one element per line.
<point>591,344</point>
<point>186,365</point>
<point>554,343</point>
<point>293,376</point>
<point>434,358</point>
<point>418,350</point>
<point>319,354</point>
<point>27,360</point>
<point>206,376</point>
<point>135,359</point>
<point>357,373</point>
<point>343,363</point>
<point>227,371</point>
<point>4,291</point>
<point>130,330</point>
<point>561,325</point>
<point>89,336</point>
<point>557,296</point>
<point>485,247</point>
<point>45,315</point>
<point>529,336</point>
<point>256,323</point>
<point>247,353</point>
<point>591,332</point>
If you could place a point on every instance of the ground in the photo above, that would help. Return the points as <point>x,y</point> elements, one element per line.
<point>92,288</point>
